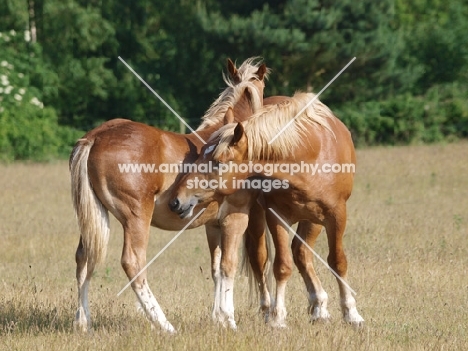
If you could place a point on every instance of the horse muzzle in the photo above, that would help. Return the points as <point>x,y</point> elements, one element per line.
<point>183,210</point>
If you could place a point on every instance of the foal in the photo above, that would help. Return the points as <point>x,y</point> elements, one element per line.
<point>316,138</point>
<point>139,200</point>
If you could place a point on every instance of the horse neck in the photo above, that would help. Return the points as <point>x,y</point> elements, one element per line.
<point>203,134</point>
<point>243,109</point>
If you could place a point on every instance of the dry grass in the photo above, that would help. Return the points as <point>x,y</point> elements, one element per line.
<point>406,244</point>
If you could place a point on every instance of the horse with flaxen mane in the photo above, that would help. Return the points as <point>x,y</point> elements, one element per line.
<point>316,138</point>
<point>139,200</point>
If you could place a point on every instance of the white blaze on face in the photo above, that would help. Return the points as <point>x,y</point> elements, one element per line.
<point>208,150</point>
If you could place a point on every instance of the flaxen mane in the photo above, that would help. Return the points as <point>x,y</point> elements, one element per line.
<point>269,121</point>
<point>231,95</point>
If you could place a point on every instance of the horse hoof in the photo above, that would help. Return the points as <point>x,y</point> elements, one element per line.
<point>167,327</point>
<point>232,325</point>
<point>78,328</point>
<point>81,327</point>
<point>320,316</point>
<point>356,321</point>
<point>277,325</point>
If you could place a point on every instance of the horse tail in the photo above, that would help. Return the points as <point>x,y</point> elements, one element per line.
<point>270,247</point>
<point>246,268</point>
<point>92,216</point>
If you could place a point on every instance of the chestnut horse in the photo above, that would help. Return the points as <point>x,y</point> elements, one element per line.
<point>243,156</point>
<point>139,200</point>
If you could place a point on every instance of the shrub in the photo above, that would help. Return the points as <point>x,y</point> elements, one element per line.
<point>28,130</point>
<point>441,113</point>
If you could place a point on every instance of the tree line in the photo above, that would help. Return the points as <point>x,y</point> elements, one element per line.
<point>60,74</point>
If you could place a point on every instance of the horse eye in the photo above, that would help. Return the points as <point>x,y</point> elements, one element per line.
<point>216,164</point>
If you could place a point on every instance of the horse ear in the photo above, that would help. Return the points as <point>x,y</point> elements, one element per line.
<point>231,68</point>
<point>262,70</point>
<point>229,116</point>
<point>239,135</point>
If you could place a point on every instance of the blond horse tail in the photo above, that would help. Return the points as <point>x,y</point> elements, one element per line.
<point>92,216</point>
<point>247,271</point>
<point>271,256</point>
<point>246,268</point>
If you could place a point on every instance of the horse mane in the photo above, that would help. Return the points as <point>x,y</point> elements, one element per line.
<point>234,91</point>
<point>264,125</point>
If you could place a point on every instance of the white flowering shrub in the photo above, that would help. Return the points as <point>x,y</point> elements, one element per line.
<point>28,129</point>
<point>14,73</point>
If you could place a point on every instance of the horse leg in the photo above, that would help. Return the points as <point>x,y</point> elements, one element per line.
<point>213,235</point>
<point>303,258</point>
<point>83,277</point>
<point>282,268</point>
<point>257,253</point>
<point>335,225</point>
<point>233,226</point>
<point>136,235</point>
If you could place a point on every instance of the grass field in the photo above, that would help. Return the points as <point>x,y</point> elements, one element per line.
<point>406,243</point>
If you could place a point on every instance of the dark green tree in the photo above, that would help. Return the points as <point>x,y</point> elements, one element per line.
<point>307,42</point>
